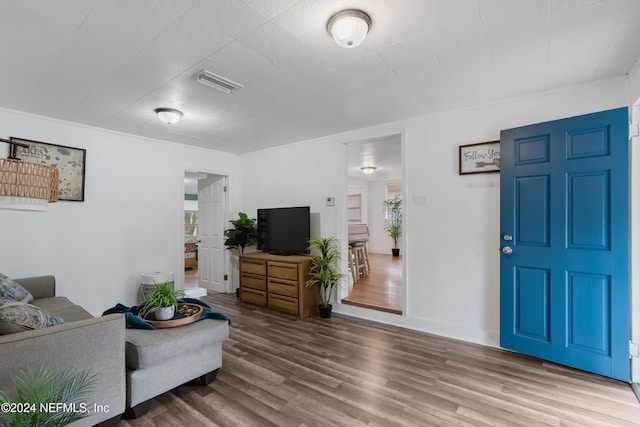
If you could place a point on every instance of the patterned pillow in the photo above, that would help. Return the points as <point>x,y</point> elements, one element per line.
<point>13,290</point>
<point>19,316</point>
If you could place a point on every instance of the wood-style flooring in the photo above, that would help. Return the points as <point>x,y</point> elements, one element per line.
<point>190,277</point>
<point>281,371</point>
<point>382,289</point>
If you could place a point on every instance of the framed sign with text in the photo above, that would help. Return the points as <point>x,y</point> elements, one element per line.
<point>69,161</point>
<point>483,157</point>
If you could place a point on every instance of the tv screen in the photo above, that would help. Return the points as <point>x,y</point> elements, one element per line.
<point>284,231</point>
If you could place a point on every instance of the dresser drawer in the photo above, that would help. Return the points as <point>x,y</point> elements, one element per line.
<point>253,297</point>
<point>253,281</point>
<point>283,287</point>
<point>284,304</point>
<point>283,270</point>
<point>253,266</point>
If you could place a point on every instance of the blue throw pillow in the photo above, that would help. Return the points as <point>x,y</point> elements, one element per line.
<point>19,316</point>
<point>12,290</point>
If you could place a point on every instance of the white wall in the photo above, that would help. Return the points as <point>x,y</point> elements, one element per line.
<point>299,175</point>
<point>451,245</point>
<point>131,221</point>
<point>379,241</point>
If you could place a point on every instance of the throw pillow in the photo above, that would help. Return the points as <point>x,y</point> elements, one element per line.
<point>19,316</point>
<point>13,290</point>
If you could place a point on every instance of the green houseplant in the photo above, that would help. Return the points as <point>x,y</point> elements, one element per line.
<point>36,391</point>
<point>244,233</point>
<point>163,300</point>
<point>324,271</point>
<point>393,224</point>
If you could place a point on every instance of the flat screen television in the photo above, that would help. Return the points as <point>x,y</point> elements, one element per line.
<point>284,231</point>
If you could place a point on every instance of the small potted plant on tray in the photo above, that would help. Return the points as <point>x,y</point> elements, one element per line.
<point>324,270</point>
<point>162,300</point>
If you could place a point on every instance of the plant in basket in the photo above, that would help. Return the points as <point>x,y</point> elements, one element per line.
<point>162,300</point>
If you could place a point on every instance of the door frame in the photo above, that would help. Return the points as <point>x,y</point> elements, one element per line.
<point>226,257</point>
<point>634,250</point>
<point>343,291</point>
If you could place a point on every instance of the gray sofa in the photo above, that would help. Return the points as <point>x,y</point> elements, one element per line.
<point>132,365</point>
<point>82,342</point>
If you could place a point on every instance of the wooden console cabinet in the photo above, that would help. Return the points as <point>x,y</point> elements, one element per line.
<point>277,282</point>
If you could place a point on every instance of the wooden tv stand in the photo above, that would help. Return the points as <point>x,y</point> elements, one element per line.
<point>277,282</point>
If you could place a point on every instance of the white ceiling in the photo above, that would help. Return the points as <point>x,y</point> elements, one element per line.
<point>383,153</point>
<point>110,63</point>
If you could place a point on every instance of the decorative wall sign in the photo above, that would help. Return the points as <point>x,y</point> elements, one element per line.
<point>68,160</point>
<point>480,158</point>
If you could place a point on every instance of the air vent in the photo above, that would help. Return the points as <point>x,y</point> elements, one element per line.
<point>215,81</point>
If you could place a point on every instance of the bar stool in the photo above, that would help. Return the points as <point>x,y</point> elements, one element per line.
<point>352,264</point>
<point>361,261</point>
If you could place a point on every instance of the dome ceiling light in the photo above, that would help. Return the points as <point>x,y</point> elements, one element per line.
<point>349,27</point>
<point>368,170</point>
<point>169,116</point>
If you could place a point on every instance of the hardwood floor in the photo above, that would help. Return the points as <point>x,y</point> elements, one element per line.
<point>281,371</point>
<point>190,277</point>
<point>382,289</point>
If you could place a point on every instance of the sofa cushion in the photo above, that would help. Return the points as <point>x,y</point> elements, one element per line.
<point>146,348</point>
<point>13,290</point>
<point>20,316</point>
<point>62,307</point>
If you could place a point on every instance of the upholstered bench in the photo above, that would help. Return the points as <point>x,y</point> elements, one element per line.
<point>162,359</point>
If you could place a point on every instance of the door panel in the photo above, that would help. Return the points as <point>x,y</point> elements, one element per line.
<point>211,253</point>
<point>564,292</point>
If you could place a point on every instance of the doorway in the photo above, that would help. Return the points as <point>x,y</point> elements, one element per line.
<point>374,172</point>
<point>205,257</point>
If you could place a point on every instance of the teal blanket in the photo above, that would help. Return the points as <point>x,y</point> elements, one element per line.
<point>133,321</point>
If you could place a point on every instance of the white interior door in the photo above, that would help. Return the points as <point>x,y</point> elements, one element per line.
<point>211,250</point>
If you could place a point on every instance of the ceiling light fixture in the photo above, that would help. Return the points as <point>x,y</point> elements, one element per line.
<point>368,170</point>
<point>217,82</point>
<point>169,116</point>
<point>349,27</point>
<point>26,186</point>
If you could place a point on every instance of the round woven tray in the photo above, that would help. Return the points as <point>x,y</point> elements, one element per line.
<point>180,321</point>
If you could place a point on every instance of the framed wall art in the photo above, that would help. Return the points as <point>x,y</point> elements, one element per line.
<point>69,161</point>
<point>483,157</point>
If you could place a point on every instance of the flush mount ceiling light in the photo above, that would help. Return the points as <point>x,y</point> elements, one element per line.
<point>26,186</point>
<point>349,27</point>
<point>169,116</point>
<point>368,170</point>
<point>217,82</point>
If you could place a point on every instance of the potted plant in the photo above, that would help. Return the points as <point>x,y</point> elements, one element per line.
<point>163,300</point>
<point>39,389</point>
<point>244,233</point>
<point>324,270</point>
<point>393,225</point>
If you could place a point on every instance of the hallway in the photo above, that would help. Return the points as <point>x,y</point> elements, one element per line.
<point>382,289</point>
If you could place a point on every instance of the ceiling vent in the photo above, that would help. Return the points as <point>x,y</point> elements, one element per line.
<point>215,81</point>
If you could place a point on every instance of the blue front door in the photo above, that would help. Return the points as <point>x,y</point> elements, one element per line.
<point>564,279</point>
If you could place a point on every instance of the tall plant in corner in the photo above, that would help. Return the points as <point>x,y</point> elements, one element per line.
<point>244,233</point>
<point>324,271</point>
<point>393,224</point>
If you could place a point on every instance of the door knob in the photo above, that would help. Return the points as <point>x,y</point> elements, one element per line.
<point>507,250</point>
<point>507,237</point>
